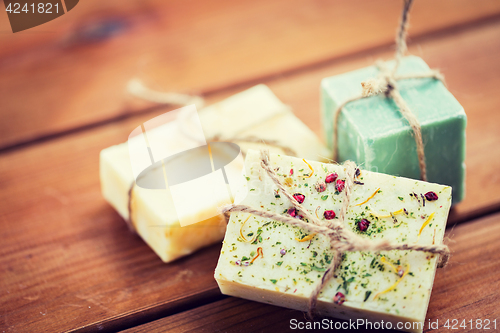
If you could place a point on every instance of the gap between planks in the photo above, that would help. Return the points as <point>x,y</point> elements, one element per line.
<point>125,114</point>
<point>89,172</point>
<point>475,260</point>
<point>151,313</point>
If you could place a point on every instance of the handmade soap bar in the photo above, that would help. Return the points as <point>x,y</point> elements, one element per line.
<point>272,262</point>
<point>373,133</point>
<point>256,113</point>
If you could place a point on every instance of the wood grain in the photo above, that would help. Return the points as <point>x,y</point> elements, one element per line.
<point>67,260</point>
<point>466,289</point>
<point>469,61</point>
<point>89,54</point>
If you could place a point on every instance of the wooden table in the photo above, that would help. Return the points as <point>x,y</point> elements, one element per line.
<point>67,260</point>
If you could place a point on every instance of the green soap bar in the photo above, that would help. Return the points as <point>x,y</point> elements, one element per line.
<point>373,133</point>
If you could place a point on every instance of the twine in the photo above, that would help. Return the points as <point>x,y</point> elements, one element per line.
<point>386,83</point>
<point>138,89</point>
<point>129,221</point>
<point>341,239</point>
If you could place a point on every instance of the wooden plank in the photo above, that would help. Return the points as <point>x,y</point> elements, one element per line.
<point>68,260</point>
<point>469,61</point>
<point>467,289</point>
<point>72,72</point>
<point>65,250</point>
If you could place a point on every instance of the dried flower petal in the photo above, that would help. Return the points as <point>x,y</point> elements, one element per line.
<point>431,196</point>
<point>329,214</point>
<point>339,298</point>
<point>299,197</point>
<point>331,177</point>
<point>320,186</point>
<point>339,185</point>
<point>363,225</point>
<point>293,212</point>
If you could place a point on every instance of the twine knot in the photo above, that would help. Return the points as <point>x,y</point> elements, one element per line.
<point>386,83</point>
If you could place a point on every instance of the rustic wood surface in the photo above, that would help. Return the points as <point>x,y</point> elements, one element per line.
<point>67,260</point>
<point>475,259</point>
<point>89,54</point>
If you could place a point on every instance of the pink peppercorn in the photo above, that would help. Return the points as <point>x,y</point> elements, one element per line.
<point>291,172</point>
<point>339,185</point>
<point>299,197</point>
<point>283,252</point>
<point>363,225</point>
<point>238,262</point>
<point>331,177</point>
<point>431,196</point>
<point>294,213</point>
<point>329,214</point>
<point>320,186</point>
<point>339,298</point>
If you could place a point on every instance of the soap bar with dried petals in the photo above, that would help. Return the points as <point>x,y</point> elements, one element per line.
<point>272,262</point>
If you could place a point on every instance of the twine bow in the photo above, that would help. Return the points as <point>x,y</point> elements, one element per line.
<point>386,83</point>
<point>341,239</point>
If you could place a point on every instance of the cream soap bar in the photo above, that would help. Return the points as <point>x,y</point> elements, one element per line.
<point>254,113</point>
<point>271,262</point>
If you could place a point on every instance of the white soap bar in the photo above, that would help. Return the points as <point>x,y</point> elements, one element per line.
<point>255,112</point>
<point>285,271</point>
